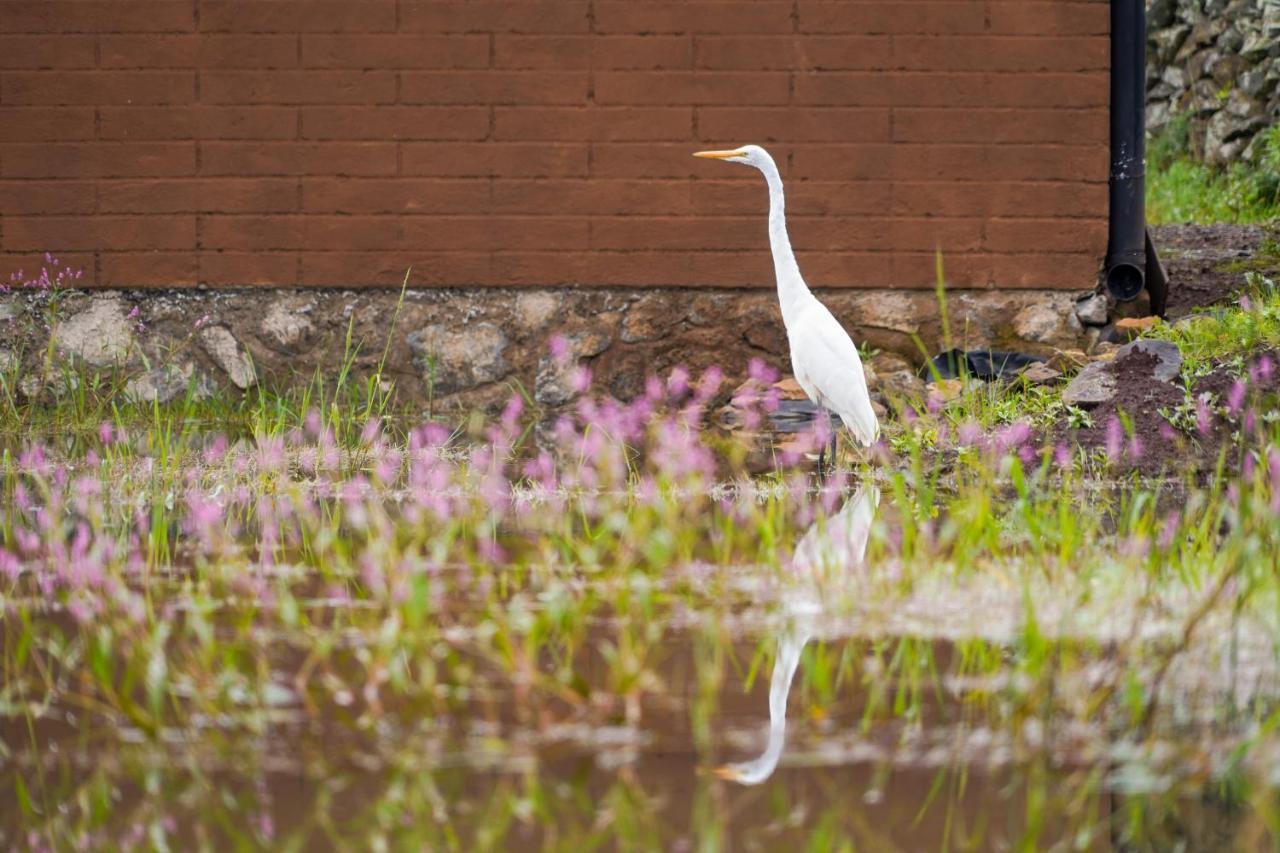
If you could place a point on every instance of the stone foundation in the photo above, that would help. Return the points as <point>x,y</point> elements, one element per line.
<point>463,349</point>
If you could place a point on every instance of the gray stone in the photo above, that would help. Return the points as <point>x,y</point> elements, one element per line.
<point>1168,357</point>
<point>1093,310</point>
<point>1093,385</point>
<point>9,309</point>
<point>649,318</point>
<point>286,325</point>
<point>554,383</point>
<point>1041,323</point>
<point>228,354</point>
<point>534,310</point>
<point>1160,14</point>
<point>1039,373</point>
<point>893,311</point>
<point>100,335</point>
<point>902,385</point>
<point>168,382</point>
<point>457,359</point>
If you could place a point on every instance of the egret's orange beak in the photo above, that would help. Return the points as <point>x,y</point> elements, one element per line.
<point>719,155</point>
<point>726,772</point>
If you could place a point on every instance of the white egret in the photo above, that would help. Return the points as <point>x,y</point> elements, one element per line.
<point>838,545</point>
<point>823,357</point>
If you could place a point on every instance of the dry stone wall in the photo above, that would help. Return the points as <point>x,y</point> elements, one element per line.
<point>1217,63</point>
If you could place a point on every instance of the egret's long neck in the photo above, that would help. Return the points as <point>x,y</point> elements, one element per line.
<point>791,287</point>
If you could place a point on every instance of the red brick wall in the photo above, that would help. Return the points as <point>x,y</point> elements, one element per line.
<point>547,142</point>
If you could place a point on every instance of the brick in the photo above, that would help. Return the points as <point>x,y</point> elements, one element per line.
<point>669,88</point>
<point>1075,271</point>
<point>205,51</point>
<point>1020,125</point>
<point>23,124</point>
<point>53,233</point>
<point>506,159</point>
<point>48,51</point>
<point>925,89</point>
<point>298,158</point>
<point>827,124</point>
<point>97,160</point>
<point>696,16</point>
<point>804,198</point>
<point>45,197</point>
<point>298,87</point>
<point>1028,17</point>
<point>496,16</point>
<point>787,52</point>
<point>678,233</point>
<point>266,269</point>
<point>1001,53</point>
<point>1002,162</point>
<point>603,123</point>
<point>848,269</point>
<point>398,195</point>
<point>828,234</point>
<point>444,234</point>
<point>947,17</point>
<point>596,197</point>
<point>193,195</point>
<point>395,51</point>
<point>494,87</point>
<point>600,52</point>
<point>97,87</point>
<point>651,160</point>
<point>298,16</point>
<point>394,122</point>
<point>997,198</point>
<point>197,123</point>
<point>30,263</point>
<point>943,162</point>
<point>818,234</point>
<point>448,269</point>
<point>147,269</point>
<point>96,16</point>
<point>252,232</point>
<point>1046,235</point>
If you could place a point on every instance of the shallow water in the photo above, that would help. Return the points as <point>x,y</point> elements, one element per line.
<point>768,710</point>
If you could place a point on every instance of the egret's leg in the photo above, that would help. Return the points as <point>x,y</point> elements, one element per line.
<point>835,450</point>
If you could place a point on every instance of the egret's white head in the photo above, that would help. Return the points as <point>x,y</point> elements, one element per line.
<point>750,155</point>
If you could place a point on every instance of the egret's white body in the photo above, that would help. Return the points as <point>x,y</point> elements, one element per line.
<point>823,357</point>
<point>840,545</point>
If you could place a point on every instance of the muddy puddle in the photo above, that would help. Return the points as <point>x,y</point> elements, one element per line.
<point>748,707</point>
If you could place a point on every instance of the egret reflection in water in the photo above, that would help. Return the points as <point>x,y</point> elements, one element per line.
<point>832,547</point>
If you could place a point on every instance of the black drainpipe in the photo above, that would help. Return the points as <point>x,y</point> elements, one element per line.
<point>1131,263</point>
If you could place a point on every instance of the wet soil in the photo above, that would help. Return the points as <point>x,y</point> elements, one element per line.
<point>1161,449</point>
<point>1206,263</point>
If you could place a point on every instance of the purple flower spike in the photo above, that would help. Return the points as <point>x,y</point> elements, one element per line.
<point>1115,438</point>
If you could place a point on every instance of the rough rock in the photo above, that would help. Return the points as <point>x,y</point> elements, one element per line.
<point>897,312</point>
<point>1217,64</point>
<point>1092,311</point>
<point>1040,373</point>
<point>648,319</point>
<point>168,382</point>
<point>228,354</point>
<point>535,310</point>
<point>554,384</point>
<point>1168,357</point>
<point>1043,323</point>
<point>286,325</point>
<point>460,359</point>
<point>100,335</point>
<point>1093,385</point>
